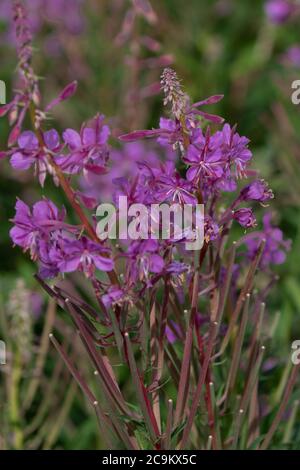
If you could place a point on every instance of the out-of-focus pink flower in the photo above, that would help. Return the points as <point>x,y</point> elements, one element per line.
<point>278,11</point>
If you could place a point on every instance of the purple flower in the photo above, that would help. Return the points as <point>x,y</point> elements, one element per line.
<point>25,232</point>
<point>152,172</point>
<point>170,132</point>
<point>245,217</point>
<point>31,153</point>
<point>227,183</point>
<point>143,259</point>
<point>235,148</point>
<point>88,149</point>
<point>211,229</point>
<point>275,248</point>
<point>292,55</point>
<point>80,255</point>
<point>278,11</point>
<point>204,157</point>
<point>48,269</point>
<point>113,295</point>
<point>176,268</point>
<point>124,162</point>
<point>134,190</point>
<point>31,227</point>
<point>256,191</point>
<point>173,188</point>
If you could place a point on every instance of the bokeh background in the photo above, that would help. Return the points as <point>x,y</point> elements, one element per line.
<point>241,49</point>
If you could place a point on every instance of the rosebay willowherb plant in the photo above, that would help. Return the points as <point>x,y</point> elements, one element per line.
<point>177,338</point>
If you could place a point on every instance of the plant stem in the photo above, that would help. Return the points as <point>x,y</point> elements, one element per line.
<point>14,403</point>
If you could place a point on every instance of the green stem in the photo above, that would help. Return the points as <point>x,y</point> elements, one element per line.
<point>14,404</point>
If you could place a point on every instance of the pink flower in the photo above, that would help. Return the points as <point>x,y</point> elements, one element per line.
<point>32,226</point>
<point>204,157</point>
<point>80,255</point>
<point>30,152</point>
<point>245,217</point>
<point>88,150</point>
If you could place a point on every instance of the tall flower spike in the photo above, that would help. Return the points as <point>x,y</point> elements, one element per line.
<point>173,92</point>
<point>24,50</point>
<point>23,34</point>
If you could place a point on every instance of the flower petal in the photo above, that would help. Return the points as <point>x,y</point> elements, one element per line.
<point>28,141</point>
<point>21,162</point>
<point>51,139</point>
<point>72,139</point>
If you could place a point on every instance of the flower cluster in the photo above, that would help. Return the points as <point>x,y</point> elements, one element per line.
<point>54,243</point>
<point>85,152</point>
<point>215,163</point>
<point>212,163</point>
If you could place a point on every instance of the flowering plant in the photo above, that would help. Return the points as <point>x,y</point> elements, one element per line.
<point>188,327</point>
